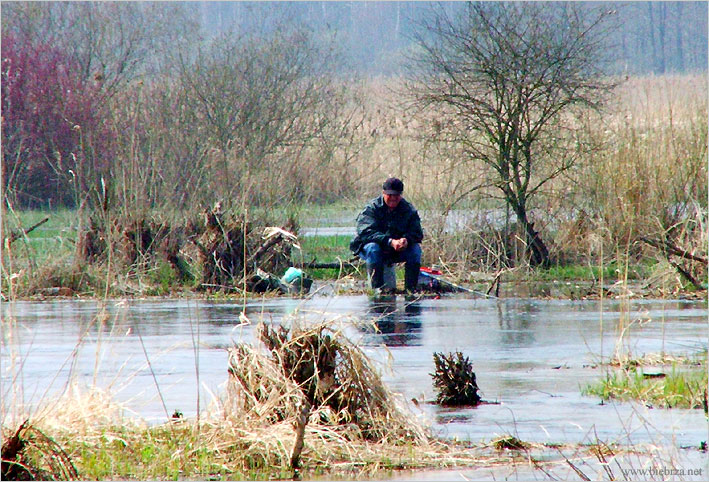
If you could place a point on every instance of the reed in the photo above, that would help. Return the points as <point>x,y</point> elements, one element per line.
<point>248,433</point>
<point>650,178</point>
<point>645,176</point>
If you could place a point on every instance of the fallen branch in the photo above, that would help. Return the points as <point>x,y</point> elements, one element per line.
<point>671,249</point>
<point>353,263</point>
<point>263,249</point>
<point>686,274</point>
<point>14,236</point>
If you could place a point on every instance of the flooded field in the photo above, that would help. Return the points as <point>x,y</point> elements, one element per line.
<point>531,357</point>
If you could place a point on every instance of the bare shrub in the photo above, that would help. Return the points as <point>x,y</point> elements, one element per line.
<point>502,77</point>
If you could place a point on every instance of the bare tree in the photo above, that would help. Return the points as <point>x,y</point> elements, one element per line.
<point>111,42</point>
<point>266,102</point>
<point>504,76</point>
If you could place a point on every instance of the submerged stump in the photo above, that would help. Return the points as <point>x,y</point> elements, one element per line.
<point>454,380</point>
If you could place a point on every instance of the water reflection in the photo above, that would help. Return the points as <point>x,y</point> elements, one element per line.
<point>454,415</point>
<point>516,322</point>
<point>398,324</point>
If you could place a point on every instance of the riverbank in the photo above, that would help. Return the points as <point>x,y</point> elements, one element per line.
<point>221,252</point>
<point>209,451</point>
<point>354,284</point>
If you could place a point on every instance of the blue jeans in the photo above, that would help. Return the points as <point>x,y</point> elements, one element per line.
<point>376,257</point>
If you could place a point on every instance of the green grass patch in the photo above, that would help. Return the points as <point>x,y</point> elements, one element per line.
<point>61,221</point>
<point>187,451</point>
<point>331,215</point>
<point>325,249</point>
<point>575,272</point>
<point>52,239</point>
<point>167,452</point>
<point>674,388</point>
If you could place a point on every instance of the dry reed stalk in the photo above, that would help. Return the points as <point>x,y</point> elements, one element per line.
<point>263,405</point>
<point>78,411</point>
<point>29,454</point>
<point>241,442</point>
<point>75,415</point>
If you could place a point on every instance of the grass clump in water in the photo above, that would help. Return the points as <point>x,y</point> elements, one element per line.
<point>509,442</point>
<point>673,388</point>
<point>317,373</point>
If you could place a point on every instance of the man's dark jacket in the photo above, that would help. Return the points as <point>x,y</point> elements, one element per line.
<point>376,224</point>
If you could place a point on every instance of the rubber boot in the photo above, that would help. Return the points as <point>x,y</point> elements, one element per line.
<point>411,277</point>
<point>376,276</point>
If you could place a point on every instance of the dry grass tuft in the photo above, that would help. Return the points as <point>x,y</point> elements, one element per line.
<point>317,367</point>
<point>509,442</point>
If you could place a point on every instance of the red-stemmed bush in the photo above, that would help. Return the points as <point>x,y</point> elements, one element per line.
<point>55,141</point>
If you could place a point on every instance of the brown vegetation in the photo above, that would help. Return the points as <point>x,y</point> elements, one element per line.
<point>645,181</point>
<point>263,120</point>
<point>454,380</point>
<point>226,249</point>
<point>29,454</point>
<point>318,370</point>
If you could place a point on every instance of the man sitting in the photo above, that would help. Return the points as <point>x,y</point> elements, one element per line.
<point>389,231</point>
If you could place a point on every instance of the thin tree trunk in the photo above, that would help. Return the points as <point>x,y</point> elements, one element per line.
<point>536,249</point>
<point>662,27</point>
<point>679,54</point>
<point>653,43</point>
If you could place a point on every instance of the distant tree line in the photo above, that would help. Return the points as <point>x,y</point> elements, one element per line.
<point>656,37</point>
<point>661,37</point>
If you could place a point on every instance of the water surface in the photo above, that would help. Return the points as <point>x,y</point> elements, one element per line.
<point>531,357</point>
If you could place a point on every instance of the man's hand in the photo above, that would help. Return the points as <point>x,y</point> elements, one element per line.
<point>399,244</point>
